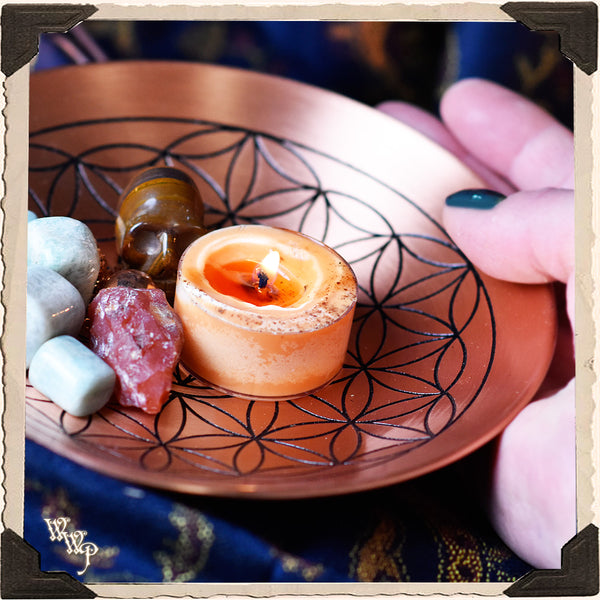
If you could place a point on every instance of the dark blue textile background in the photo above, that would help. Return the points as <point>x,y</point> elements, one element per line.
<point>430,529</point>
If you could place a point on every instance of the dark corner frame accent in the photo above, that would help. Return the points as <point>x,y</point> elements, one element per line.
<point>575,22</point>
<point>578,576</point>
<point>22,578</point>
<point>23,23</point>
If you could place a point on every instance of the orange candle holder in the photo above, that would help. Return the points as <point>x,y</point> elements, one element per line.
<point>266,312</point>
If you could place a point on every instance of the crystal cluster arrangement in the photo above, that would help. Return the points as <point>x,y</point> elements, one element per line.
<point>93,335</point>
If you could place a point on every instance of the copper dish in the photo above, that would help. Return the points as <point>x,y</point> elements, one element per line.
<point>441,357</point>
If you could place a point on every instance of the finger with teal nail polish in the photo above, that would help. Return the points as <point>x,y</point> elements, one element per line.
<point>479,199</point>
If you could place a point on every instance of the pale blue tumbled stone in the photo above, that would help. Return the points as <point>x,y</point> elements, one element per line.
<point>31,215</point>
<point>54,307</point>
<point>66,246</point>
<point>72,376</point>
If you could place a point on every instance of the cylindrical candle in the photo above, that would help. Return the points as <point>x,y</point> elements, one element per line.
<point>266,312</point>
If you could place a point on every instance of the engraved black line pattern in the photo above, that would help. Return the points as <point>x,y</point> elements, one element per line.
<point>395,392</point>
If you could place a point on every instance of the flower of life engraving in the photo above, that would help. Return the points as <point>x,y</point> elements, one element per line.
<point>410,353</point>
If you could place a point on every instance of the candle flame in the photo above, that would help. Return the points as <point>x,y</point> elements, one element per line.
<point>270,264</point>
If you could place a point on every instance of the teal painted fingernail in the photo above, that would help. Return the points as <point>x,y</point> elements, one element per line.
<point>480,199</point>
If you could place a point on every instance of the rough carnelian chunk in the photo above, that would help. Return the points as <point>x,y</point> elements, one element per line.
<point>140,336</point>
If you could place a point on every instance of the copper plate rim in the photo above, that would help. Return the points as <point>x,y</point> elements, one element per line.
<point>229,488</point>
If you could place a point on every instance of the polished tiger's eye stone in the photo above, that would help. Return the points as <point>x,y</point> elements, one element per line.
<point>72,376</point>
<point>140,336</point>
<point>66,246</point>
<point>160,214</point>
<point>54,307</point>
<point>131,278</point>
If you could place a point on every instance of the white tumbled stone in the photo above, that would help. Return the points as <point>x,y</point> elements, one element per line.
<point>54,307</point>
<point>66,246</point>
<point>31,215</point>
<point>72,376</point>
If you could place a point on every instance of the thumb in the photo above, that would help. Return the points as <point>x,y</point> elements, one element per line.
<point>532,499</point>
<point>527,237</point>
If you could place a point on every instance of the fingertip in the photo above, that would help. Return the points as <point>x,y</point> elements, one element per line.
<point>423,122</point>
<point>457,89</point>
<point>509,133</point>
<point>478,199</point>
<point>392,107</point>
<point>526,237</point>
<point>472,90</point>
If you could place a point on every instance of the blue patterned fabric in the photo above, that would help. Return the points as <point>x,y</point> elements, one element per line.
<point>430,529</point>
<point>369,61</point>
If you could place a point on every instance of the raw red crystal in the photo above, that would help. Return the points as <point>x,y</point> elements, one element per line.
<point>140,336</point>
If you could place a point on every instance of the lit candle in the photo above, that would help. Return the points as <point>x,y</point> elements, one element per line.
<point>266,312</point>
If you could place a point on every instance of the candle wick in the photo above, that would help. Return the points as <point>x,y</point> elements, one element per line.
<point>263,279</point>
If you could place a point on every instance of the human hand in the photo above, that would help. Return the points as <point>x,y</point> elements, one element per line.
<point>523,233</point>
